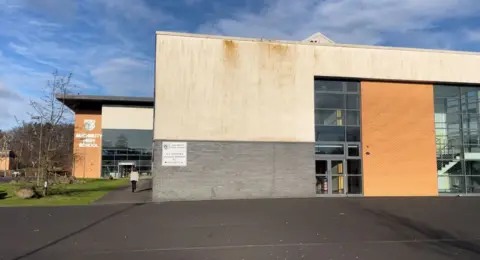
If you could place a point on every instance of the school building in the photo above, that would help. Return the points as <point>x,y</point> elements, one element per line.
<point>254,118</point>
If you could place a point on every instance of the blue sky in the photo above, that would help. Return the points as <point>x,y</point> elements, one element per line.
<point>108,45</point>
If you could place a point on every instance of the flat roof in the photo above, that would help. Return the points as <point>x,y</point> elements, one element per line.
<point>208,36</point>
<point>76,102</point>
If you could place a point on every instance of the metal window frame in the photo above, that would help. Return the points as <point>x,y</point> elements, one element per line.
<point>462,132</point>
<point>345,142</point>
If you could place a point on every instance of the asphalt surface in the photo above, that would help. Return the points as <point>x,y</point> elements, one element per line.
<point>333,228</point>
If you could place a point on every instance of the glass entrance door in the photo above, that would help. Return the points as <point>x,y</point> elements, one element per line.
<point>330,177</point>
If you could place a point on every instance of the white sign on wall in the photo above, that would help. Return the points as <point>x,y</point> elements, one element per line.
<point>174,154</point>
<point>88,140</point>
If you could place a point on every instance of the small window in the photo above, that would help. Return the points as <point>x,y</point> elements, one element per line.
<point>446,91</point>
<point>329,117</point>
<point>352,87</point>
<point>330,133</point>
<point>329,86</point>
<point>329,101</point>
<point>353,101</point>
<point>354,167</point>
<point>353,118</point>
<point>334,149</point>
<point>353,134</point>
<point>353,150</point>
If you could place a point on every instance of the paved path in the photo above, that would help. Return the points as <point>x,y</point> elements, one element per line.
<point>125,195</point>
<point>316,229</point>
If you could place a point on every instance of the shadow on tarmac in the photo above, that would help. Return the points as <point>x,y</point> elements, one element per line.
<point>130,207</point>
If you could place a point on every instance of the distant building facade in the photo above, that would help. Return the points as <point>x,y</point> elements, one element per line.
<point>7,160</point>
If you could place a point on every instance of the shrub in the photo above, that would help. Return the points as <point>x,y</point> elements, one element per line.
<point>26,193</point>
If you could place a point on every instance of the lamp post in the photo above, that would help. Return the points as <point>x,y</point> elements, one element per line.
<point>39,149</point>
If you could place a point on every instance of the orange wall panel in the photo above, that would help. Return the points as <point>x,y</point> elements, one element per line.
<point>5,164</point>
<point>88,144</point>
<point>398,139</point>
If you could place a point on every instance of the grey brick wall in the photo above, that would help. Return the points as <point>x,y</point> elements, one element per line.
<point>231,170</point>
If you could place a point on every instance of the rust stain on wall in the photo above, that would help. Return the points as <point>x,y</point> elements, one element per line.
<point>278,49</point>
<point>230,51</point>
<point>275,49</point>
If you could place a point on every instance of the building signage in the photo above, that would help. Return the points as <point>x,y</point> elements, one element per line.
<point>88,140</point>
<point>174,154</point>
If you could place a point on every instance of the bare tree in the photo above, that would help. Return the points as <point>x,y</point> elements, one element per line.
<point>50,115</point>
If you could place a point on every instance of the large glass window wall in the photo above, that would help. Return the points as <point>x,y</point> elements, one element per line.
<point>337,137</point>
<point>124,148</point>
<point>457,113</point>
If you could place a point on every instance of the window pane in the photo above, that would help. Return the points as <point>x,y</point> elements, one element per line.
<point>472,151</point>
<point>354,185</point>
<point>446,91</point>
<point>473,184</point>
<point>440,107</point>
<point>472,167</point>
<point>353,117</point>
<point>322,185</point>
<point>353,86</point>
<point>449,152</point>
<point>338,168</point>
<point>452,119</point>
<point>447,105</point>
<point>470,122</point>
<point>108,163</point>
<point>353,134</point>
<point>321,167</point>
<point>330,133</point>
<point>452,105</point>
<point>329,117</point>
<point>333,101</point>
<point>470,91</point>
<point>449,168</point>
<point>329,85</point>
<point>354,167</point>
<point>337,185</point>
<point>121,157</point>
<point>108,157</point>
<point>133,157</point>
<point>451,184</point>
<point>121,151</point>
<point>470,105</point>
<point>329,149</point>
<point>353,150</point>
<point>124,138</point>
<point>471,137</point>
<point>353,101</point>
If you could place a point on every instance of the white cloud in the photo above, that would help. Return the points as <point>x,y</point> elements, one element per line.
<point>473,35</point>
<point>11,103</point>
<point>125,76</point>
<point>345,21</point>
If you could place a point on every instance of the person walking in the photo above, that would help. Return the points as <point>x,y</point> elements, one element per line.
<point>134,178</point>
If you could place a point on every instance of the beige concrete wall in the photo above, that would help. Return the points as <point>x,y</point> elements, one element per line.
<point>246,90</point>
<point>114,117</point>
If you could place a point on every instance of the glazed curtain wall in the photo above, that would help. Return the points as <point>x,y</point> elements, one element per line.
<point>126,145</point>
<point>457,113</point>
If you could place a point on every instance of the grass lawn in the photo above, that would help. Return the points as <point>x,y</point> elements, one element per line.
<point>63,194</point>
